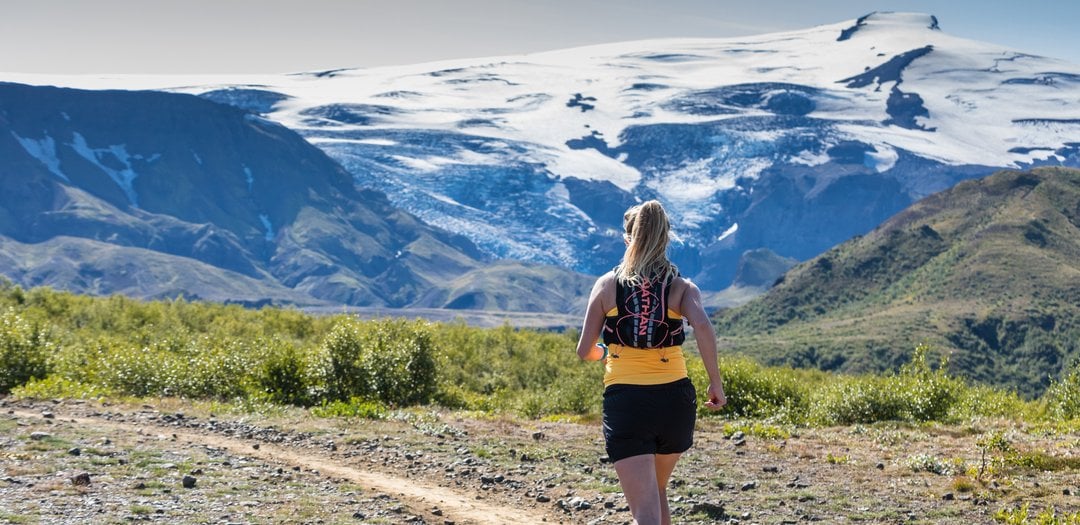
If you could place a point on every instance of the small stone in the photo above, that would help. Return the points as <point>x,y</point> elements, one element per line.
<point>543,498</point>
<point>605,459</point>
<point>437,511</point>
<point>38,436</point>
<point>579,503</point>
<point>81,480</point>
<point>75,451</point>
<point>738,435</point>
<point>949,496</point>
<point>359,515</point>
<point>1066,492</point>
<point>139,486</point>
<point>255,446</point>
<point>48,415</point>
<point>538,435</point>
<point>748,486</point>
<point>740,442</point>
<point>188,482</point>
<point>880,466</point>
<point>771,468</point>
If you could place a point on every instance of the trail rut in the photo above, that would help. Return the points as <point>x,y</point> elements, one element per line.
<point>457,506</point>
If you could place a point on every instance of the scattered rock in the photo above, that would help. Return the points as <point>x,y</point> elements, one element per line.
<point>770,468</point>
<point>48,415</point>
<point>738,435</point>
<point>748,486</point>
<point>188,482</point>
<point>543,498</point>
<point>75,451</point>
<point>359,515</point>
<point>880,466</point>
<point>575,503</point>
<point>38,436</point>
<point>81,480</point>
<point>714,511</point>
<point>538,435</point>
<point>139,486</point>
<point>949,496</point>
<point>740,442</point>
<point>255,446</point>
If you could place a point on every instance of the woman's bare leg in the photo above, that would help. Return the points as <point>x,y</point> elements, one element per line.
<point>637,476</point>
<point>665,464</point>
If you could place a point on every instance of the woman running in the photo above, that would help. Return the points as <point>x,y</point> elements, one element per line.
<point>649,402</point>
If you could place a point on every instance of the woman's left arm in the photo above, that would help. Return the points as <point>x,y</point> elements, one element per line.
<point>705,336</point>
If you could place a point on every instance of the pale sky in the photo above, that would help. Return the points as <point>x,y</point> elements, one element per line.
<point>278,36</point>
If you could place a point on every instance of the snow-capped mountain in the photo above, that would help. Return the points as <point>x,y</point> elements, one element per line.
<point>791,141</point>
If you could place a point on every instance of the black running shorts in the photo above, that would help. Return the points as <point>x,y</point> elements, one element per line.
<point>649,419</point>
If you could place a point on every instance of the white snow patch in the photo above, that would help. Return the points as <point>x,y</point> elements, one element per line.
<point>809,158</point>
<point>728,232</point>
<point>422,165</point>
<point>377,142</point>
<point>559,192</point>
<point>334,140</point>
<point>265,219</point>
<point>43,150</point>
<point>124,178</point>
<point>589,164</point>
<point>883,159</point>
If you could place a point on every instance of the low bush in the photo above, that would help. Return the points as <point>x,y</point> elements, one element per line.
<point>24,351</point>
<point>1062,399</point>
<point>392,361</point>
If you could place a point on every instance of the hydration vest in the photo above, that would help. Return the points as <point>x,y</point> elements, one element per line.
<point>642,320</point>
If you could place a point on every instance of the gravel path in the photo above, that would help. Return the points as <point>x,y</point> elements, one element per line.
<point>178,462</point>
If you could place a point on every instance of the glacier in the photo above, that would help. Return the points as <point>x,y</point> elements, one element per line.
<point>802,139</point>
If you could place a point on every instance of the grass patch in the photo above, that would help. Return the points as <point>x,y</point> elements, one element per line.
<point>17,519</point>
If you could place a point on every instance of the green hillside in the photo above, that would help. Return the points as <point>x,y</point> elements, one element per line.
<point>987,273</point>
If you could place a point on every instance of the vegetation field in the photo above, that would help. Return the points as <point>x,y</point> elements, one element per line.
<point>462,408</point>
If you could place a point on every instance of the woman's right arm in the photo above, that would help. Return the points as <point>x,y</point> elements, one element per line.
<point>594,322</point>
<point>694,312</point>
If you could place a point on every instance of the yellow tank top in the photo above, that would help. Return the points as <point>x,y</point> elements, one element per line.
<point>640,366</point>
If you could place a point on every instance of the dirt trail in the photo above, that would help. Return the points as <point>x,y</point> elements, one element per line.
<point>456,506</point>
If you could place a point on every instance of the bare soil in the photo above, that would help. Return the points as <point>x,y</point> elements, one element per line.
<point>438,467</point>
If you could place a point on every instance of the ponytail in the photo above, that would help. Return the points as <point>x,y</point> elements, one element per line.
<point>647,236</point>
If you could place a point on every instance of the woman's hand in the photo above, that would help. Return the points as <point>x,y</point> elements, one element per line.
<point>716,399</point>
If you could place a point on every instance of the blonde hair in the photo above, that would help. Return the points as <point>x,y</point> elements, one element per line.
<point>647,236</point>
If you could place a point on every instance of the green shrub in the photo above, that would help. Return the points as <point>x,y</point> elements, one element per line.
<point>753,391</point>
<point>850,400</point>
<point>390,360</point>
<point>56,387</point>
<point>917,394</point>
<point>1062,399</point>
<point>24,351</point>
<point>282,372</point>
